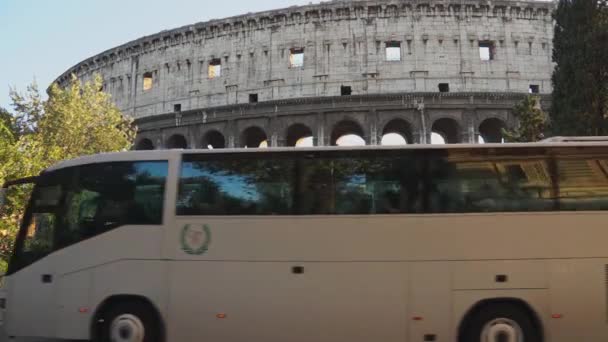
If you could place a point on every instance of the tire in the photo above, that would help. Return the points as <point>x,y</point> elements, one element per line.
<point>130,321</point>
<point>501,319</point>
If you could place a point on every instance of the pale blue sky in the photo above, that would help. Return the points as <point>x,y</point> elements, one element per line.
<point>43,38</point>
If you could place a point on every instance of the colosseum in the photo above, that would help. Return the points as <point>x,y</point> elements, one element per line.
<point>375,72</point>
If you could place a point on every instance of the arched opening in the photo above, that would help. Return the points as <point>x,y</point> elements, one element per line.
<point>397,132</point>
<point>447,131</point>
<point>254,137</point>
<point>437,139</point>
<point>213,139</point>
<point>177,141</point>
<point>347,133</point>
<point>490,131</point>
<point>299,135</point>
<point>144,145</point>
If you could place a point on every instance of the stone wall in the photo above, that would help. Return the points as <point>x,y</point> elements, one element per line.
<point>344,44</point>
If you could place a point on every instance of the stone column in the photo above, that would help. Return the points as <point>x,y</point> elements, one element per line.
<point>320,139</point>
<point>273,135</point>
<point>373,129</point>
<point>233,135</point>
<point>424,135</point>
<point>469,134</point>
<point>159,141</point>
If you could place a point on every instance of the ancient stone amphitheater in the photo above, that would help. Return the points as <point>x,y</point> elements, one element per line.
<point>378,72</point>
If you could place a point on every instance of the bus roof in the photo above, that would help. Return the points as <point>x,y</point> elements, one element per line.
<point>167,154</point>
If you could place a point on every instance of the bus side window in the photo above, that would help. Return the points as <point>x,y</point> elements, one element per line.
<point>583,183</point>
<point>246,186</point>
<point>108,195</point>
<point>473,182</point>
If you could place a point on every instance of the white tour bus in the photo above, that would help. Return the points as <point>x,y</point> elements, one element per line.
<point>375,244</point>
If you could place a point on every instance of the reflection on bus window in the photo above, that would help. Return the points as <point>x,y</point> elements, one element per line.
<point>40,233</point>
<point>109,195</point>
<point>583,183</point>
<point>468,182</point>
<point>239,187</point>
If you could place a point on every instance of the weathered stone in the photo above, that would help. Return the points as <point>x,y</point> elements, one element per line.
<point>344,52</point>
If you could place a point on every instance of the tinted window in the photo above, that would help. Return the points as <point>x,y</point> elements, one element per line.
<point>360,183</point>
<point>36,238</point>
<point>583,182</point>
<point>482,180</point>
<point>479,180</point>
<point>236,186</point>
<point>106,196</point>
<point>283,184</point>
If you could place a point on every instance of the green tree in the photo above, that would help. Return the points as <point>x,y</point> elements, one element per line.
<point>7,121</point>
<point>580,78</point>
<point>77,120</point>
<point>532,121</point>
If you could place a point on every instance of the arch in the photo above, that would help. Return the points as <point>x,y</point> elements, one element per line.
<point>254,137</point>
<point>349,132</point>
<point>299,135</point>
<point>448,129</point>
<point>213,139</point>
<point>144,145</point>
<point>397,132</point>
<point>177,141</point>
<point>490,130</point>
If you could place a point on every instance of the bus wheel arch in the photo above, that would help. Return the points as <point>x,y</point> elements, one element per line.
<point>488,305</point>
<point>108,305</point>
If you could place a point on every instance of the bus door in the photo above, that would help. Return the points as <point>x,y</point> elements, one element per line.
<point>30,281</point>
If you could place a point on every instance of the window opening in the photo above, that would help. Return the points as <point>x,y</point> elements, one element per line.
<point>534,89</point>
<point>148,81</point>
<point>253,98</point>
<point>296,58</point>
<point>444,87</point>
<point>393,51</point>
<point>346,90</point>
<point>177,108</point>
<point>215,68</point>
<point>487,50</point>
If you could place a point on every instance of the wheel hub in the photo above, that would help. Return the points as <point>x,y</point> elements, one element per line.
<point>127,328</point>
<point>502,330</point>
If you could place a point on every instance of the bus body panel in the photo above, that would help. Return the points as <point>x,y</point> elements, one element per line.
<point>499,274</point>
<point>83,282</point>
<point>133,250</point>
<point>401,237</point>
<point>145,279</point>
<point>327,302</point>
<point>73,305</point>
<point>31,310</point>
<point>579,292</point>
<point>430,301</point>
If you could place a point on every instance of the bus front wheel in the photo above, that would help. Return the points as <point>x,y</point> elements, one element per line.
<point>130,322</point>
<point>501,322</point>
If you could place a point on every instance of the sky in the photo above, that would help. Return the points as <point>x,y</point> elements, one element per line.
<point>41,39</point>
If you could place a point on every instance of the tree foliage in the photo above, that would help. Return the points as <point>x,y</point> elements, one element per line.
<point>580,79</point>
<point>77,120</point>
<point>532,121</point>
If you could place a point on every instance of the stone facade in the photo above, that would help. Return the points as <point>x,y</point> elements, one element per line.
<point>163,80</point>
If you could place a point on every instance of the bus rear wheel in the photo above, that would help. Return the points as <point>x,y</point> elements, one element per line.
<point>501,322</point>
<point>130,322</point>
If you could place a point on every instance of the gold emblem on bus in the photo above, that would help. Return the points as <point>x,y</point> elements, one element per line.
<point>195,239</point>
